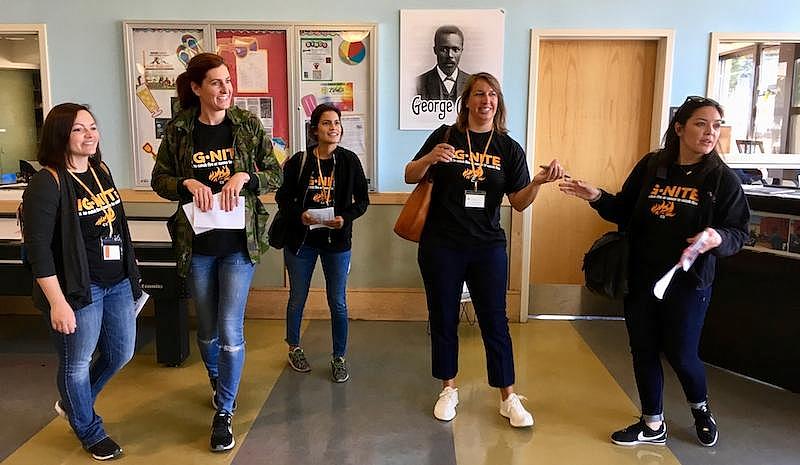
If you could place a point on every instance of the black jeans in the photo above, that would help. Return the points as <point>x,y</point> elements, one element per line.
<point>672,326</point>
<point>485,270</point>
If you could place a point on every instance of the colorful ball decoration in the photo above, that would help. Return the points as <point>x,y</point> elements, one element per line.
<point>352,53</point>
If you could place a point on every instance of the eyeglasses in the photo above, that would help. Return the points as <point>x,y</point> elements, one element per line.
<point>701,100</point>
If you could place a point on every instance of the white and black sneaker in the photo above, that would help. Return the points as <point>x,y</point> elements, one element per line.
<point>221,432</point>
<point>705,425</point>
<point>640,433</point>
<point>106,449</point>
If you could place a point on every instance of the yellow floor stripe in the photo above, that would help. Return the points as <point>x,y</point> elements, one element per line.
<point>575,401</point>
<point>163,415</point>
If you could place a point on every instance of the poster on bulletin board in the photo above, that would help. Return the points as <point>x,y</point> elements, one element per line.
<point>257,61</point>
<point>336,67</point>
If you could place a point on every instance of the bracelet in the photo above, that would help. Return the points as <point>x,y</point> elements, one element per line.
<point>600,194</point>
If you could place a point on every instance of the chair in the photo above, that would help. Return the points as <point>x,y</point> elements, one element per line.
<point>749,146</point>
<point>465,314</point>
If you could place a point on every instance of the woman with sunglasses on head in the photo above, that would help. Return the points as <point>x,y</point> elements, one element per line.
<point>211,147</point>
<point>473,164</point>
<point>79,248</point>
<point>325,176</point>
<point>677,200</point>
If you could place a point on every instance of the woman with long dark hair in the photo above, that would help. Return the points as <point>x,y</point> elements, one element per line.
<point>679,195</point>
<point>85,275</point>
<point>473,164</point>
<point>326,175</point>
<point>211,147</point>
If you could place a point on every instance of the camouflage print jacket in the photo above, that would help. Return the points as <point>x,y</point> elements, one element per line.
<point>252,154</point>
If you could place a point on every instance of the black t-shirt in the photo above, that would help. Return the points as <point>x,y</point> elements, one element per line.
<point>95,212</point>
<point>319,195</point>
<point>212,164</point>
<point>501,170</point>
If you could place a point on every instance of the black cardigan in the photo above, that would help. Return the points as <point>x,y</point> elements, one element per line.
<point>351,197</point>
<point>54,242</point>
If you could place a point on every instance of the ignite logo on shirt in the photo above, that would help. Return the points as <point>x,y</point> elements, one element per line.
<point>669,197</point>
<point>101,205</point>
<point>479,161</point>
<point>213,158</point>
<point>321,189</point>
<point>217,163</point>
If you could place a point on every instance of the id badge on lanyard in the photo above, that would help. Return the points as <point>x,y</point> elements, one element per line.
<point>111,247</point>
<point>474,198</point>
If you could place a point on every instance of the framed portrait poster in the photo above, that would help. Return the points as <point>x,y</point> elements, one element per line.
<point>439,50</point>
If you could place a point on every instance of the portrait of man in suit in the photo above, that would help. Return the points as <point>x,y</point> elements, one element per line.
<point>446,80</point>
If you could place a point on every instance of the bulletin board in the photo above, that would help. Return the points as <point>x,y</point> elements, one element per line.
<point>279,71</point>
<point>155,54</point>
<point>336,65</point>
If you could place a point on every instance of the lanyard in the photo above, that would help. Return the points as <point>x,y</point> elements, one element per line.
<point>325,193</point>
<point>471,163</point>
<point>108,210</point>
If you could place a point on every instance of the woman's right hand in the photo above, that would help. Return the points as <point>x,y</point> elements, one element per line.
<point>201,193</point>
<point>62,318</point>
<point>307,219</point>
<point>440,153</point>
<point>581,189</point>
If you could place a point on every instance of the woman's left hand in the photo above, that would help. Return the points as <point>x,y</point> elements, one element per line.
<point>229,196</point>
<point>549,173</point>
<point>713,239</point>
<point>336,223</point>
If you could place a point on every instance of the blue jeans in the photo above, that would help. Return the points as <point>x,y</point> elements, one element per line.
<point>220,286</point>
<point>336,266</point>
<point>108,326</point>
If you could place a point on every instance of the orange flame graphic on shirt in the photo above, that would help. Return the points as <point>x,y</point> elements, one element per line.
<point>472,174</point>
<point>664,209</point>
<point>220,175</point>
<point>107,217</point>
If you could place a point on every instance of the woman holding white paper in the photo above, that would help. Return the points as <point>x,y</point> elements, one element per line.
<point>324,190</point>
<point>679,195</point>
<point>212,148</point>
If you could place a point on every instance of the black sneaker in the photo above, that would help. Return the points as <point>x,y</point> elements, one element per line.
<point>297,360</point>
<point>339,373</point>
<point>640,433</point>
<point>213,382</point>
<point>221,433</point>
<point>705,425</point>
<point>106,449</point>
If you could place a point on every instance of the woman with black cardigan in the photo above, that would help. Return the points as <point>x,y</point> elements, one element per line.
<point>326,179</point>
<point>85,275</point>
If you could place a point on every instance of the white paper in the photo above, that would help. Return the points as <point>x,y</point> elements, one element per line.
<point>320,214</point>
<point>217,218</point>
<point>139,304</point>
<point>188,209</point>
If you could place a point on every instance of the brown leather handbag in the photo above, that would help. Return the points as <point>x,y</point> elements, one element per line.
<point>415,211</point>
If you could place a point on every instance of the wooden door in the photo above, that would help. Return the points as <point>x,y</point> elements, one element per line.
<point>594,112</point>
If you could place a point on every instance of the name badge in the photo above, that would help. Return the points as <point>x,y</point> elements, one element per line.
<point>474,199</point>
<point>111,247</point>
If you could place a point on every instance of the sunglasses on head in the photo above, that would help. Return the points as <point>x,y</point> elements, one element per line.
<point>701,100</point>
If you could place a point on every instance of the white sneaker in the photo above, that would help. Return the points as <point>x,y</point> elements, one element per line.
<point>512,409</point>
<point>60,411</point>
<point>445,408</point>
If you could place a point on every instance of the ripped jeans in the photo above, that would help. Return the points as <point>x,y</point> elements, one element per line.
<point>220,286</point>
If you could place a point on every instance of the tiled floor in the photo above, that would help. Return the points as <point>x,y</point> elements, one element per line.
<point>577,377</point>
